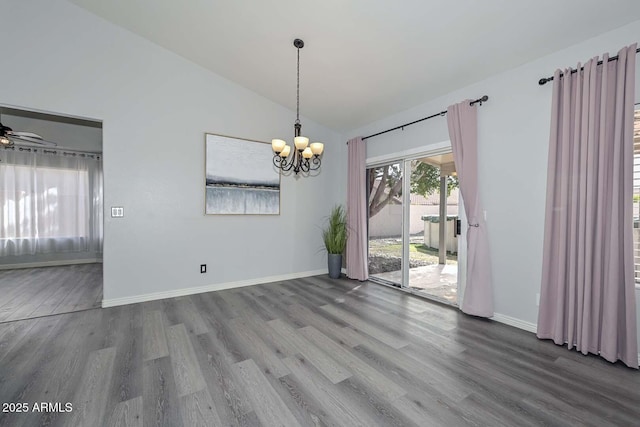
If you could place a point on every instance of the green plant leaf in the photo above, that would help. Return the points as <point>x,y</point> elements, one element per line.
<point>334,234</point>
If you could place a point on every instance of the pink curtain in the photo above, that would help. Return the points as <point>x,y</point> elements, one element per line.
<point>357,267</point>
<point>587,298</point>
<point>462,120</point>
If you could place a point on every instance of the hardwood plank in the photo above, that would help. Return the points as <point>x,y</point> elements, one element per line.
<point>225,340</point>
<point>266,403</point>
<point>256,307</point>
<point>281,347</point>
<point>182,310</point>
<point>154,341</point>
<point>365,400</point>
<point>257,349</point>
<point>366,327</point>
<point>324,322</point>
<point>316,356</point>
<point>12,333</point>
<point>417,377</point>
<point>425,411</point>
<point>127,414</point>
<point>377,382</point>
<point>337,406</point>
<point>160,397</point>
<point>92,393</point>
<point>198,410</point>
<point>323,282</point>
<point>124,326</point>
<point>25,295</point>
<point>79,297</point>
<point>185,365</point>
<point>235,303</point>
<point>304,407</point>
<point>47,290</point>
<point>228,395</point>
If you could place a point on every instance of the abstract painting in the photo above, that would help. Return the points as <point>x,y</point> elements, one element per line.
<point>240,177</point>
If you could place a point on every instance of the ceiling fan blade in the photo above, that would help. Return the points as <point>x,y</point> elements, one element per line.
<point>39,141</point>
<point>27,134</point>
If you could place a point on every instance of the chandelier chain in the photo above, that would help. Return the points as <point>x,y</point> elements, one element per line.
<point>298,90</point>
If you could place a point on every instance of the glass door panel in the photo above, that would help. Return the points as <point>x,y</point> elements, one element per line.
<point>432,233</point>
<point>385,216</point>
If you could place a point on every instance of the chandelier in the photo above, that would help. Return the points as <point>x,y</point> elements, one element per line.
<point>304,157</point>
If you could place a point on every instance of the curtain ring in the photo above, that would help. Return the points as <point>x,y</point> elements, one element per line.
<point>474,225</point>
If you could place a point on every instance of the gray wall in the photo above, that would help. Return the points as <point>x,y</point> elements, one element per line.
<point>513,147</point>
<point>156,107</point>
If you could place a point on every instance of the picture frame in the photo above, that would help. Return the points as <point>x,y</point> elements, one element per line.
<point>240,178</point>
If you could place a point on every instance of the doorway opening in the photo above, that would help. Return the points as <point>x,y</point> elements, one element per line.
<point>51,214</point>
<point>414,228</point>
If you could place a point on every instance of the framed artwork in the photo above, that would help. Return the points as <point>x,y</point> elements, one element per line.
<point>240,178</point>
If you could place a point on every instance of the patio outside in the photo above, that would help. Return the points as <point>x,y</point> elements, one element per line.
<point>425,273</point>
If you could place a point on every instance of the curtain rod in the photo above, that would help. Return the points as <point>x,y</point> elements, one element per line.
<point>545,80</point>
<point>441,113</point>
<point>52,150</point>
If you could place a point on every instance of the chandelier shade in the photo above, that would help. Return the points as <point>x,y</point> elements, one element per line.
<point>302,157</point>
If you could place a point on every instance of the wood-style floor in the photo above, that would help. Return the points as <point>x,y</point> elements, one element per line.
<point>302,352</point>
<point>34,292</point>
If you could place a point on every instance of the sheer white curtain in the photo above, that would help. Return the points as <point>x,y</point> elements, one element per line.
<point>51,201</point>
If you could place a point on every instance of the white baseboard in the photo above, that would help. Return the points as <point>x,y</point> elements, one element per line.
<point>516,323</point>
<point>49,263</point>
<point>113,302</point>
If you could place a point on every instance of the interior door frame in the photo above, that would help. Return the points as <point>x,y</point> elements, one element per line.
<point>404,158</point>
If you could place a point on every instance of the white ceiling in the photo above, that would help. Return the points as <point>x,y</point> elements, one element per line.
<point>363,59</point>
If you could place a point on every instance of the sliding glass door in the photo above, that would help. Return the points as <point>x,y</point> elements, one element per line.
<point>414,226</point>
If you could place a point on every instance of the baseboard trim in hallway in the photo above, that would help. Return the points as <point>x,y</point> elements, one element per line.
<point>50,263</point>
<point>50,315</point>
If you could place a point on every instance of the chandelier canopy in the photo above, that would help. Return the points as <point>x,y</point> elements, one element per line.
<point>304,157</point>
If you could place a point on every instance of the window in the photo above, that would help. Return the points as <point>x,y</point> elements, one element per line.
<point>49,202</point>
<point>44,203</point>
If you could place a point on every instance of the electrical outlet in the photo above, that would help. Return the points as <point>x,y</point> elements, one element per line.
<point>203,268</point>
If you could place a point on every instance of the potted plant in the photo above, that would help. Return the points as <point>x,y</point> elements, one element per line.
<point>334,236</point>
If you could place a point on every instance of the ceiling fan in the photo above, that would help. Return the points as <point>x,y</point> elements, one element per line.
<point>8,137</point>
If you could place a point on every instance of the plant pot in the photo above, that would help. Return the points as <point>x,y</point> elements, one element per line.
<point>335,265</point>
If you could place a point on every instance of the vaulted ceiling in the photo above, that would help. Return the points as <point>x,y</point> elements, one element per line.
<point>363,59</point>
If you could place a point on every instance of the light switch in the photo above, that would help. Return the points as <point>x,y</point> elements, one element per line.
<point>117,212</point>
